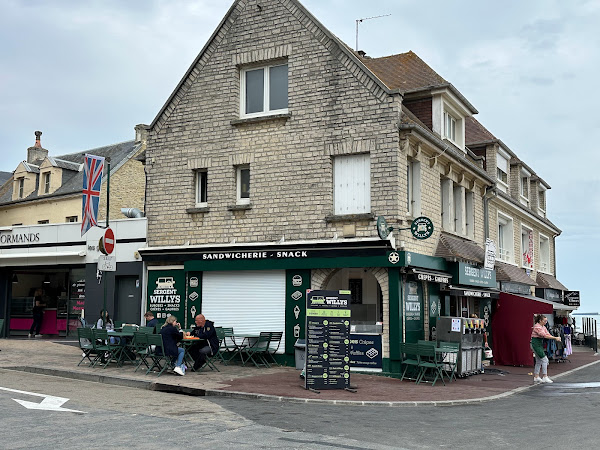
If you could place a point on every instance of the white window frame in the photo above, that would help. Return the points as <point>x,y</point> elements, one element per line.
<point>470,214</point>
<point>238,181</point>
<point>71,219</point>
<point>46,176</point>
<point>266,91</point>
<point>450,124</point>
<point>544,259</point>
<point>506,242</point>
<point>525,231</point>
<point>413,184</point>
<point>352,179</point>
<point>21,186</point>
<point>201,183</point>
<point>524,187</point>
<point>542,202</point>
<point>502,166</point>
<point>447,197</point>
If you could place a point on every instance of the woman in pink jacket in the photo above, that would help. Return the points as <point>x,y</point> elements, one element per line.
<point>538,334</point>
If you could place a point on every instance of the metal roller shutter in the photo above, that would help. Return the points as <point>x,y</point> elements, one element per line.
<point>248,301</point>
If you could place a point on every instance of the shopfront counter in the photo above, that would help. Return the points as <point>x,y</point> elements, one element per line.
<point>18,325</point>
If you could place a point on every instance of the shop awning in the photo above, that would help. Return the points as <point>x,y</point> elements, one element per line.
<point>508,272</point>
<point>451,247</point>
<point>468,292</point>
<point>432,276</point>
<point>41,255</point>
<point>512,321</point>
<point>547,281</point>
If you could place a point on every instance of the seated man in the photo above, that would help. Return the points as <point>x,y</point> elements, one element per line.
<point>150,319</point>
<point>209,344</point>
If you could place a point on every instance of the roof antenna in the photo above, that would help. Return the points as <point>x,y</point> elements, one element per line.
<point>361,20</point>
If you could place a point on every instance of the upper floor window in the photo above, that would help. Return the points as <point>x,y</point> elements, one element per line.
<point>524,187</point>
<point>413,184</point>
<point>21,186</point>
<point>544,253</point>
<point>502,169</point>
<point>243,184</point>
<point>43,222</point>
<point>201,178</point>
<point>449,126</point>
<point>527,247</point>
<point>505,238</point>
<point>470,214</point>
<point>458,209</point>
<point>71,219</point>
<point>352,184</point>
<point>264,90</point>
<point>542,202</point>
<point>46,182</point>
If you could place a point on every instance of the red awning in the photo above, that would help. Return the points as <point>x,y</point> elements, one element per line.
<point>511,328</point>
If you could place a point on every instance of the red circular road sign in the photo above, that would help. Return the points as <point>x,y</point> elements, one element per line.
<point>109,241</point>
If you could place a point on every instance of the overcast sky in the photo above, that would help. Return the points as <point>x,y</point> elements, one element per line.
<point>86,72</point>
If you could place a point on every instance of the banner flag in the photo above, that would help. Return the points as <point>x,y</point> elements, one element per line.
<point>93,167</point>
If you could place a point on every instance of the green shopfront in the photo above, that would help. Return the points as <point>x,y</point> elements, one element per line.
<point>395,295</point>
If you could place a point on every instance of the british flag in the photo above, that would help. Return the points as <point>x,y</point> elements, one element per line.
<point>93,167</point>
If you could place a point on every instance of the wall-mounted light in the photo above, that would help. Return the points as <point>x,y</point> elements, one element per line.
<point>47,279</point>
<point>15,279</point>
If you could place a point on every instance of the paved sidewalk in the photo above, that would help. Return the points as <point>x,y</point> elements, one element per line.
<point>55,357</point>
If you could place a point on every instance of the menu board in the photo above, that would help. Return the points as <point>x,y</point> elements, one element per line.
<point>327,340</point>
<point>77,302</point>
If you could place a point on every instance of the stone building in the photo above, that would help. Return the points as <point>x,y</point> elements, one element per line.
<point>279,164</point>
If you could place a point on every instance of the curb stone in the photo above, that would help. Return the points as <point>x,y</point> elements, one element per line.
<point>200,392</point>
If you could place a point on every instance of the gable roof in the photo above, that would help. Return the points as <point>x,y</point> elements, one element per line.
<point>339,49</point>
<point>409,74</point>
<point>72,180</point>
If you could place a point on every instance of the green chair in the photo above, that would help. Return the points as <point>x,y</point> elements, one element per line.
<point>409,358</point>
<point>228,349</point>
<point>130,328</point>
<point>147,330</point>
<point>118,323</point>
<point>428,362</point>
<point>141,347</point>
<point>274,343</point>
<point>160,361</point>
<point>1,326</point>
<point>110,351</point>
<point>86,343</point>
<point>449,354</point>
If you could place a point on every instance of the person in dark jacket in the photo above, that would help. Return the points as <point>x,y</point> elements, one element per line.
<point>171,335</point>
<point>38,313</point>
<point>208,344</point>
<point>151,321</point>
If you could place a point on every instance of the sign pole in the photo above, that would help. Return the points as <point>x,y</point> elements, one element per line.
<point>107,216</point>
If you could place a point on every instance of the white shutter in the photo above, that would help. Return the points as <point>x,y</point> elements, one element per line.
<point>502,162</point>
<point>248,301</point>
<point>352,184</point>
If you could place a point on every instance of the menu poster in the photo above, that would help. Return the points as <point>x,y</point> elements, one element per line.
<point>327,340</point>
<point>77,302</point>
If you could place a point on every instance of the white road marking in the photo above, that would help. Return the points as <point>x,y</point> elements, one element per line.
<point>49,403</point>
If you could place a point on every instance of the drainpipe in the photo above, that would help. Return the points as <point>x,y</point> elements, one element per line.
<point>490,192</point>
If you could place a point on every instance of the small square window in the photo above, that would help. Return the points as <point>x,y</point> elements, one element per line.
<point>71,219</point>
<point>201,187</point>
<point>243,184</point>
<point>264,90</point>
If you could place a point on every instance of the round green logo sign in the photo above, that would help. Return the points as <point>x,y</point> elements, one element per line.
<point>422,227</point>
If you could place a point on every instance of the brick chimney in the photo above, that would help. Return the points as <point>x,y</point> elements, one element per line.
<point>36,154</point>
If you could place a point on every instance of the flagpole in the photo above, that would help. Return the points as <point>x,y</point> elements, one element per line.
<point>107,159</point>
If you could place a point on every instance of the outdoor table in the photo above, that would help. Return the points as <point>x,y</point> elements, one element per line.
<point>186,343</point>
<point>124,338</point>
<point>245,340</point>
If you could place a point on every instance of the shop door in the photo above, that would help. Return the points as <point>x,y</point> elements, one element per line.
<point>127,299</point>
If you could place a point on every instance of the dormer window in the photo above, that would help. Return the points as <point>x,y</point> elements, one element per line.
<point>21,186</point>
<point>542,202</point>
<point>46,178</point>
<point>502,171</point>
<point>449,126</point>
<point>524,187</point>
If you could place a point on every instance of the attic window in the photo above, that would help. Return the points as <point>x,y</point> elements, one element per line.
<point>449,126</point>
<point>47,183</point>
<point>21,186</point>
<point>264,90</point>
